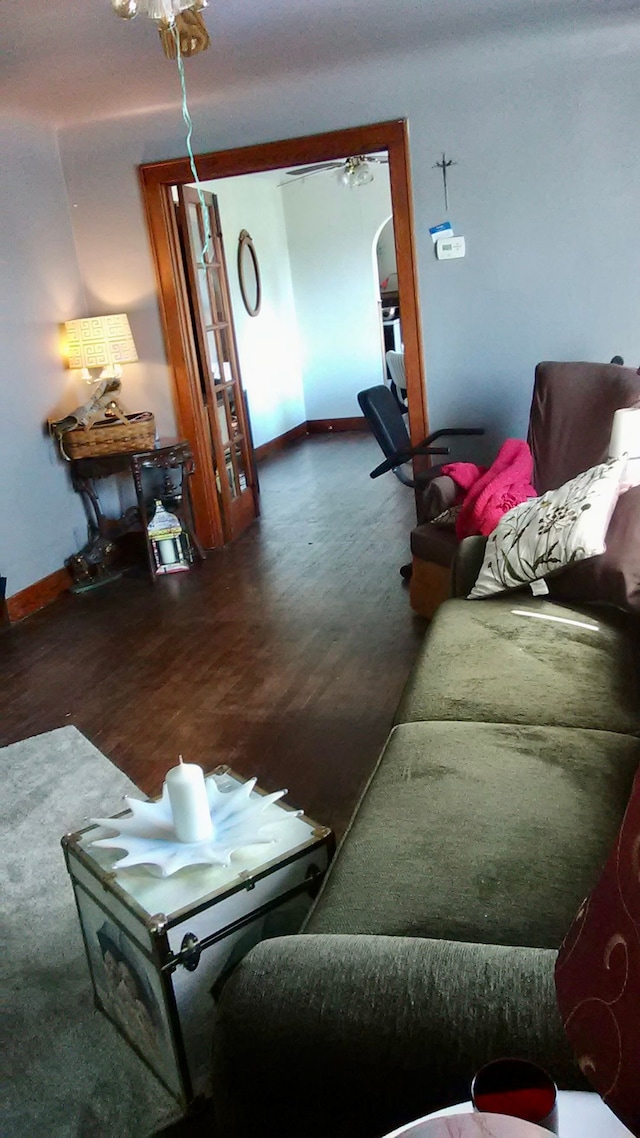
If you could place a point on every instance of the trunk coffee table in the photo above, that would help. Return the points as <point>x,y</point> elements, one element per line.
<point>159,948</point>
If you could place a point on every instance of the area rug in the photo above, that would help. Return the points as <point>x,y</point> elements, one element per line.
<point>69,1073</point>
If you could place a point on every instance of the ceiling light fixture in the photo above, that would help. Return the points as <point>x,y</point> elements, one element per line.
<point>183,32</point>
<point>175,19</point>
<point>356,172</point>
<point>352,172</point>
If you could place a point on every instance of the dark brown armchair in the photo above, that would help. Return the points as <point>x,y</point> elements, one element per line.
<point>569,431</point>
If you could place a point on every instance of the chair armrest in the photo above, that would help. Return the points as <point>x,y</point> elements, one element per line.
<point>425,447</point>
<point>439,495</point>
<point>351,1036</point>
<point>466,565</point>
<point>452,432</point>
<point>400,457</point>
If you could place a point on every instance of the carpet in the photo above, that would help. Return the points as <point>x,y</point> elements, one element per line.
<point>69,1074</point>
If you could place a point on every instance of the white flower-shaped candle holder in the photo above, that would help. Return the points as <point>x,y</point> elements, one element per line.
<point>149,838</point>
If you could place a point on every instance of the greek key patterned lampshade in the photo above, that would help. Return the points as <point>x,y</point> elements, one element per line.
<point>100,341</point>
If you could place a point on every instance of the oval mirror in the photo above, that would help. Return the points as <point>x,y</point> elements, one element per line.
<point>249,274</point>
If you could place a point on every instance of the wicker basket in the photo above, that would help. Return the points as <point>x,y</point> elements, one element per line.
<point>138,433</point>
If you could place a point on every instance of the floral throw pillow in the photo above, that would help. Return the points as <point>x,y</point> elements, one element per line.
<point>545,534</point>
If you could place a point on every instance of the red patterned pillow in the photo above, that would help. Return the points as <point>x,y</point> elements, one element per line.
<point>598,976</point>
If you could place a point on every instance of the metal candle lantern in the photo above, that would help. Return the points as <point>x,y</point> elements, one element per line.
<point>169,542</point>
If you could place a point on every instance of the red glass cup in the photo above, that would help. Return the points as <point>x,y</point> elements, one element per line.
<point>519,1089</point>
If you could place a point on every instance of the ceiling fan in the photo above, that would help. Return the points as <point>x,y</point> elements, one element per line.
<point>353,171</point>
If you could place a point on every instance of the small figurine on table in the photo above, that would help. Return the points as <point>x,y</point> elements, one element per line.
<point>102,405</point>
<point>92,565</point>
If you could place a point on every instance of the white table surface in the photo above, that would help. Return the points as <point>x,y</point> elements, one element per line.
<point>580,1115</point>
<point>458,1125</point>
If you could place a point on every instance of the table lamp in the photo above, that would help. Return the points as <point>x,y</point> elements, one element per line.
<point>99,346</point>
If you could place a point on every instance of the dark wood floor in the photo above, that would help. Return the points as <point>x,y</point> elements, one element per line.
<point>284,655</point>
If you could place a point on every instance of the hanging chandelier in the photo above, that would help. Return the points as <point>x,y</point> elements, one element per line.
<point>179,22</point>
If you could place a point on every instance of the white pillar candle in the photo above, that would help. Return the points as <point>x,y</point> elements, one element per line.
<point>189,803</point>
<point>167,551</point>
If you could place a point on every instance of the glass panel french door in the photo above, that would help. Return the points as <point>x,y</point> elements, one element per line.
<point>223,397</point>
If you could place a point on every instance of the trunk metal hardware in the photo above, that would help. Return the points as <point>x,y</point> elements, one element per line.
<point>191,948</point>
<point>190,952</point>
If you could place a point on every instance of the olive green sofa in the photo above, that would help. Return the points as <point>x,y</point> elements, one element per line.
<point>431,946</point>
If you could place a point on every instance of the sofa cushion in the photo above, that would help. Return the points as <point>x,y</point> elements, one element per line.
<point>481,832</point>
<point>482,660</point>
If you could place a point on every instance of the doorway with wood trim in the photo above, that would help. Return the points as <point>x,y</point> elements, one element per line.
<point>197,398</point>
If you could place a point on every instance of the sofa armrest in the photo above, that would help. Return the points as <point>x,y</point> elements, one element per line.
<point>439,495</point>
<point>355,1035</point>
<point>466,565</point>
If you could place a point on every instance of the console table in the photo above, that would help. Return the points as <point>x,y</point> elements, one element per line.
<point>173,458</point>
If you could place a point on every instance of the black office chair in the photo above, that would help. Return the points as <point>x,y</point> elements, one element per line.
<point>387,423</point>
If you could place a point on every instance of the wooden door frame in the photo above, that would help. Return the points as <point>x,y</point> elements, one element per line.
<point>156,180</point>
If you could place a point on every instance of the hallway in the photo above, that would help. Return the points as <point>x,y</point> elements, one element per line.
<point>283,656</point>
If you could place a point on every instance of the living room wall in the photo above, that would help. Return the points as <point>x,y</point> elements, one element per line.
<point>331,230</point>
<point>41,517</point>
<point>543,129</point>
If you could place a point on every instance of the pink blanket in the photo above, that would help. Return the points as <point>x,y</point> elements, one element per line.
<point>489,493</point>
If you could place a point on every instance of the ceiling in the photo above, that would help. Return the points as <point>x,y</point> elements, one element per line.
<point>65,61</point>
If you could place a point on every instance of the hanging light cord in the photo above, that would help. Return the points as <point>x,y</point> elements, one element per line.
<point>189,125</point>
